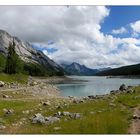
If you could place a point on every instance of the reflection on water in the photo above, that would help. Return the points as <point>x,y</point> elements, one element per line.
<point>94,85</point>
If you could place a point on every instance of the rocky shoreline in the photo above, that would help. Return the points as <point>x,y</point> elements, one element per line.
<point>48,97</point>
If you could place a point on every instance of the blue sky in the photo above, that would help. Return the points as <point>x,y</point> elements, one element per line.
<point>96,36</point>
<point>120,16</point>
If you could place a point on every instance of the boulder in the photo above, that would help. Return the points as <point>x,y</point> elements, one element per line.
<point>64,113</point>
<point>123,87</point>
<point>75,115</point>
<point>38,118</point>
<point>2,84</point>
<point>51,120</point>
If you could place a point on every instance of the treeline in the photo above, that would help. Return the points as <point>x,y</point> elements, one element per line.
<point>12,64</point>
<point>125,70</point>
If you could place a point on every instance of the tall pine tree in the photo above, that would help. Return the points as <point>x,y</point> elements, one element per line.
<point>13,61</point>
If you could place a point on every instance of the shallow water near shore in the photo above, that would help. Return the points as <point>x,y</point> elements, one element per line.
<point>93,85</point>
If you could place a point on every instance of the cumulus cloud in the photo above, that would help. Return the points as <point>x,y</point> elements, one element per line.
<point>119,31</point>
<point>135,26</point>
<point>75,32</point>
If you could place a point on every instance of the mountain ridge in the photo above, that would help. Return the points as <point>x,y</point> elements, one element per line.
<point>26,52</point>
<point>124,70</point>
<point>78,69</point>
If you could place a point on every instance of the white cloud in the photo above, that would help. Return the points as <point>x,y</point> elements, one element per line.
<point>75,31</point>
<point>119,31</point>
<point>135,26</point>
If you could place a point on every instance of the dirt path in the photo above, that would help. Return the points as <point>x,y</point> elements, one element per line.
<point>135,126</point>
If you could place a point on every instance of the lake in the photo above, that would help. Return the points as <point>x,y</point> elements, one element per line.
<point>94,85</point>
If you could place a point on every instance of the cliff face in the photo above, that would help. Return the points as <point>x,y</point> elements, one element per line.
<point>26,52</point>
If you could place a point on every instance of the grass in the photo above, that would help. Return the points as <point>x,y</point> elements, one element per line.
<point>98,117</point>
<point>20,78</point>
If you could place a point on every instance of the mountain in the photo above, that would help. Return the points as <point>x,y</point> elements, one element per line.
<point>77,69</point>
<point>125,70</point>
<point>104,69</point>
<point>28,54</point>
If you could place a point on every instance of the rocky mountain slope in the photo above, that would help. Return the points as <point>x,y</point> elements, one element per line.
<point>26,52</point>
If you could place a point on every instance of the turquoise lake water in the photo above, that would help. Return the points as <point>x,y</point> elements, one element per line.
<point>94,85</point>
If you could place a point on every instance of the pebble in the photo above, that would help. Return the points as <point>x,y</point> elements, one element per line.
<point>2,127</point>
<point>92,112</point>
<point>57,128</point>
<point>46,103</point>
<point>5,96</point>
<point>8,111</point>
<point>26,112</point>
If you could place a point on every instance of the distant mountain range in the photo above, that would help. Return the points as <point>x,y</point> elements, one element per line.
<point>125,70</point>
<point>77,69</point>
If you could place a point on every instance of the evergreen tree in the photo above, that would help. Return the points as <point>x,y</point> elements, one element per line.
<point>13,63</point>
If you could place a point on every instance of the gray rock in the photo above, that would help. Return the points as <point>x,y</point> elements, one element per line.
<point>58,114</point>
<point>64,113</point>
<point>38,118</point>
<point>136,117</point>
<point>51,120</point>
<point>75,101</point>
<point>75,115</point>
<point>2,84</point>
<point>46,103</point>
<point>114,91</point>
<point>5,96</point>
<point>130,91</point>
<point>123,87</point>
<point>91,97</point>
<point>137,97</point>
<point>71,97</point>
<point>33,83</point>
<point>85,98</point>
<point>8,111</point>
